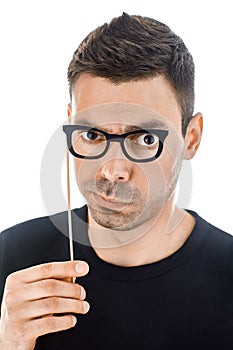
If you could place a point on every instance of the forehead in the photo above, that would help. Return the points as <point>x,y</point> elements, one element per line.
<point>120,114</point>
<point>154,98</point>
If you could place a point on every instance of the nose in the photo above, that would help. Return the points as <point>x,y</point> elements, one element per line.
<point>116,170</point>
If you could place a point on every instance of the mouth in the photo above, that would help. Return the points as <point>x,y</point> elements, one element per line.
<point>110,203</point>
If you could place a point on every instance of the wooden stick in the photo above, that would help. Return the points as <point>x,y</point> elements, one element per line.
<point>69,209</point>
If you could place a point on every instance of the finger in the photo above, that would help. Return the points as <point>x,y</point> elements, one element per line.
<point>52,324</point>
<point>69,279</point>
<point>58,270</point>
<point>53,305</point>
<point>53,288</point>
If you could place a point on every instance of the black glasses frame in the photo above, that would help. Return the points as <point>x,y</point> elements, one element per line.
<point>68,129</point>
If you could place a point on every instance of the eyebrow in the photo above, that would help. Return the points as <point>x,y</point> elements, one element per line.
<point>150,124</point>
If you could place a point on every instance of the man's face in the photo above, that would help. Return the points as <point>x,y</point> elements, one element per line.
<point>122,194</point>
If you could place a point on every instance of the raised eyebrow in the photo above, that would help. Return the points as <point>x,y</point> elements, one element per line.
<point>151,124</point>
<point>84,122</point>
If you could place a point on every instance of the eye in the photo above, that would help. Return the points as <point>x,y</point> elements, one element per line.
<point>91,135</point>
<point>147,139</point>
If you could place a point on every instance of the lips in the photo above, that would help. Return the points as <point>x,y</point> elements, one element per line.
<point>111,203</point>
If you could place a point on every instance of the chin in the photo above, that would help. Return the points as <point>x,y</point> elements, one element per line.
<point>114,220</point>
<point>119,221</point>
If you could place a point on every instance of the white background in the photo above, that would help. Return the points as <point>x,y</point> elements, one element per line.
<point>38,39</point>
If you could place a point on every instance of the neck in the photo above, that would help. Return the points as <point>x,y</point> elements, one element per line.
<point>154,241</point>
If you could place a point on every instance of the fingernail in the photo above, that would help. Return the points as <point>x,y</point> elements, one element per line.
<point>74,319</point>
<point>86,306</point>
<point>82,293</point>
<point>79,267</point>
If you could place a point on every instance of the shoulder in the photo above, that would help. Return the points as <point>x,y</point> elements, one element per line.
<point>31,230</point>
<point>41,229</point>
<point>214,232</point>
<point>216,246</point>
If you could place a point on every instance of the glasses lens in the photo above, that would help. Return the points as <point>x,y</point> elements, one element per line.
<point>142,145</point>
<point>88,143</point>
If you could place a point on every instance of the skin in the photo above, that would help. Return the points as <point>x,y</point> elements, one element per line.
<point>138,233</point>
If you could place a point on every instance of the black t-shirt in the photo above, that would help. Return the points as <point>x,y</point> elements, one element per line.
<point>184,301</point>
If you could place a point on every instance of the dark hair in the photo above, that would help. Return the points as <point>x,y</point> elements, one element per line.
<point>132,48</point>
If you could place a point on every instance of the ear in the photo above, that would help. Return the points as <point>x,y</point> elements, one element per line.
<point>69,110</point>
<point>193,136</point>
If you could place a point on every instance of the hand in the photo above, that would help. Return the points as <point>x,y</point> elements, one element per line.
<point>32,298</point>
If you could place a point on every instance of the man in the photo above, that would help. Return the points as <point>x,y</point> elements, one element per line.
<point>149,275</point>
